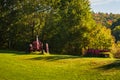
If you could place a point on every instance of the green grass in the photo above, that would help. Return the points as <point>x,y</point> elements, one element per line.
<point>19,66</point>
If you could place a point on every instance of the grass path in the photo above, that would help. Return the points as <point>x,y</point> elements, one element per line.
<point>17,66</point>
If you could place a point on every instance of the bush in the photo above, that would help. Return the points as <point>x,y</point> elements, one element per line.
<point>117,54</point>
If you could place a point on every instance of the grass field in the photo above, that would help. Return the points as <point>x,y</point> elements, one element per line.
<point>19,66</point>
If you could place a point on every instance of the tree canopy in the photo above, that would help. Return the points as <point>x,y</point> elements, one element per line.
<point>67,25</point>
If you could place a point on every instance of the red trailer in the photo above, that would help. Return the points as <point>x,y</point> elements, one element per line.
<point>96,52</point>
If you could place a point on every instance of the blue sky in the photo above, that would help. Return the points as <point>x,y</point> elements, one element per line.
<point>107,6</point>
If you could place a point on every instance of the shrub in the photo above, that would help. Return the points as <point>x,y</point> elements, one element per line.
<point>117,54</point>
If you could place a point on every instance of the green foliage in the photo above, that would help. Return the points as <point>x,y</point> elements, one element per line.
<point>117,50</point>
<point>67,25</point>
<point>116,33</point>
<point>116,23</point>
<point>20,21</point>
<point>117,54</point>
<point>111,21</point>
<point>101,38</point>
<point>106,19</point>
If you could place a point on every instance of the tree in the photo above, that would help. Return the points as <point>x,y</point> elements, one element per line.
<point>71,22</point>
<point>116,23</point>
<point>116,33</point>
<point>101,38</point>
<point>67,25</point>
<point>20,21</point>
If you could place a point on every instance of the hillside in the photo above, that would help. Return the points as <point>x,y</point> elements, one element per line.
<point>19,66</point>
<point>105,19</point>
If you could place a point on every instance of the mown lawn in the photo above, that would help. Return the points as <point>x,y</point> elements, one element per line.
<point>19,66</point>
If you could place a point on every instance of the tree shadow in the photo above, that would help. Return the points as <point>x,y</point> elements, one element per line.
<point>12,52</point>
<point>113,65</point>
<point>54,57</point>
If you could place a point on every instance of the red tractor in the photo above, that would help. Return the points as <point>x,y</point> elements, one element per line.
<point>38,46</point>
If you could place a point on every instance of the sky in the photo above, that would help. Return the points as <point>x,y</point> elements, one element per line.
<point>106,6</point>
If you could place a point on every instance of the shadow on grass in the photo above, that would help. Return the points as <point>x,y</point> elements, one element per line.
<point>113,65</point>
<point>54,57</point>
<point>12,52</point>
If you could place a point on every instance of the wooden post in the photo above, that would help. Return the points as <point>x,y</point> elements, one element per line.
<point>47,48</point>
<point>42,49</point>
